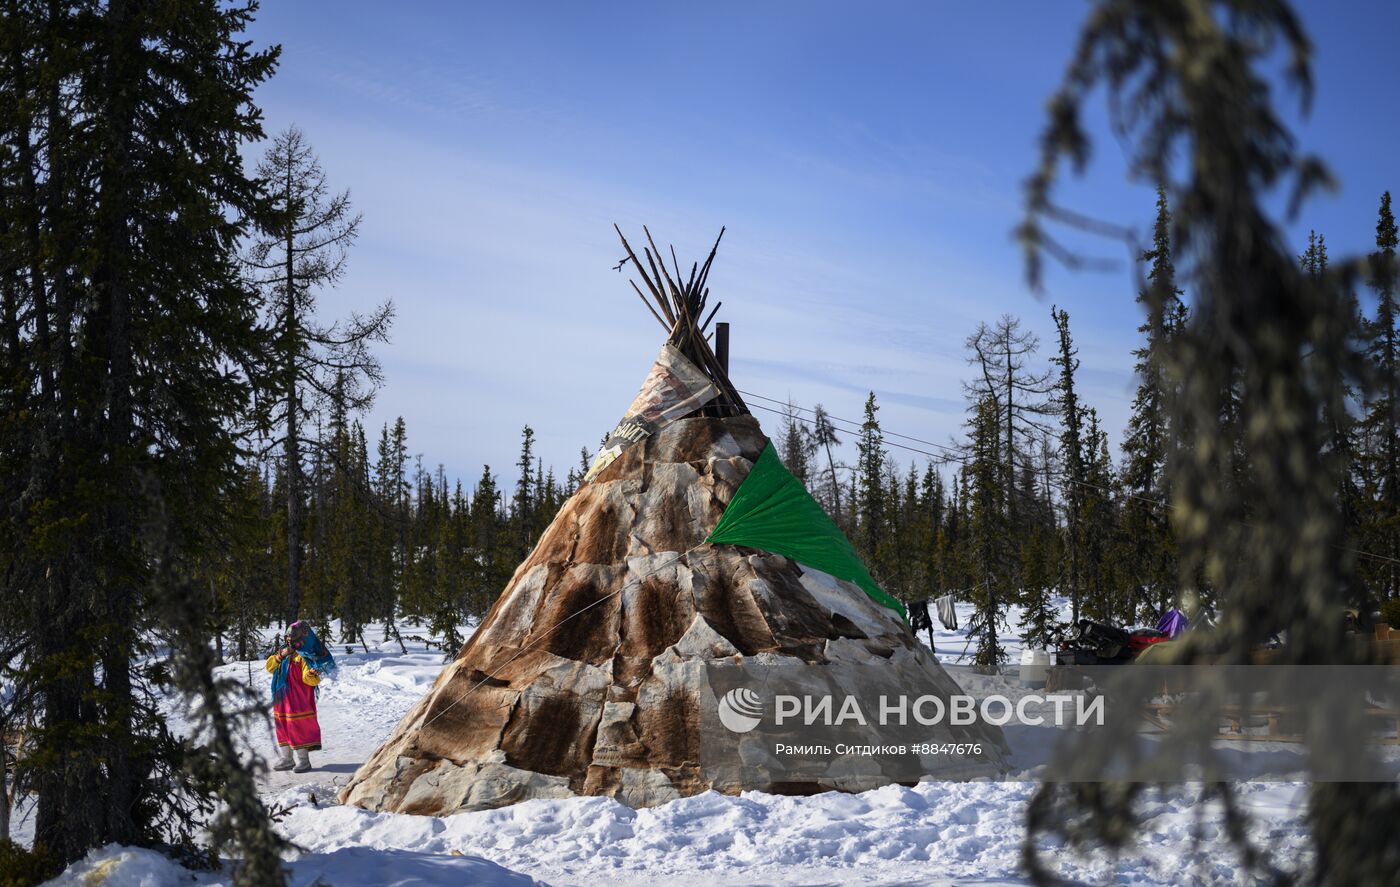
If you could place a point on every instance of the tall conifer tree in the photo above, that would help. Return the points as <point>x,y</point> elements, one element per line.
<point>872,518</point>
<point>127,387</point>
<point>1146,522</point>
<point>824,437</point>
<point>987,533</point>
<point>1072,447</point>
<point>1382,419</point>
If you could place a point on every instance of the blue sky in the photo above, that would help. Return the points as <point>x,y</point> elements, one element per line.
<point>866,159</point>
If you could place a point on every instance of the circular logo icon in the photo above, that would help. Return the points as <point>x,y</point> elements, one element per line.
<point>740,710</point>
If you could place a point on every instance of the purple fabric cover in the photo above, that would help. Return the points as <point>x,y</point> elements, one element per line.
<point>1172,623</point>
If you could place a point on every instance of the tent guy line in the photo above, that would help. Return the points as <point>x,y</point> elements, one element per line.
<point>851,422</point>
<point>950,456</point>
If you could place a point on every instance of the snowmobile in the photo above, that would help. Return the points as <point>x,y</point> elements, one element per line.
<point>1097,643</point>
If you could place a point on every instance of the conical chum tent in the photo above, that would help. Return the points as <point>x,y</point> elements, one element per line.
<point>643,649</point>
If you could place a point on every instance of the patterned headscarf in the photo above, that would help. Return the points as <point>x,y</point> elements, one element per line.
<point>301,638</point>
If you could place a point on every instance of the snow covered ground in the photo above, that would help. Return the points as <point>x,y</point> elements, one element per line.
<point>934,833</point>
<point>133,867</point>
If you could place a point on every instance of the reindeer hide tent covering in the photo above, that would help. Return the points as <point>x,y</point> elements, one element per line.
<point>690,544</point>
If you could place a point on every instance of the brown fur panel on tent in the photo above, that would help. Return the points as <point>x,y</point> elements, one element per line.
<point>586,679</point>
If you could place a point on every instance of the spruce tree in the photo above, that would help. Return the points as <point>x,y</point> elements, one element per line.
<point>347,553</point>
<point>1146,522</point>
<point>1382,416</point>
<point>127,386</point>
<point>1075,458</point>
<point>1104,597</point>
<point>381,562</point>
<point>523,503</point>
<point>396,496</point>
<point>238,572</point>
<point>1337,417</point>
<point>1040,558</point>
<point>576,475</point>
<point>450,572</point>
<point>932,507</point>
<point>986,533</point>
<point>489,557</point>
<point>824,436</point>
<point>893,559</point>
<point>915,547</point>
<point>871,514</point>
<point>1039,621</point>
<point>795,444</point>
<point>952,559</point>
<point>416,576</point>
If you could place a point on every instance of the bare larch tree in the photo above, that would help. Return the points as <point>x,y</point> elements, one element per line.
<point>302,250</point>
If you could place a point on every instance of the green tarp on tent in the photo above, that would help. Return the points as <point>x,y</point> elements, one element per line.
<point>773,511</point>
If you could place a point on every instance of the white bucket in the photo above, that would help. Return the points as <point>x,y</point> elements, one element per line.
<point>1035,665</point>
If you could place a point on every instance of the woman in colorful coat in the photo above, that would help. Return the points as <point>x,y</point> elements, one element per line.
<point>296,671</point>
